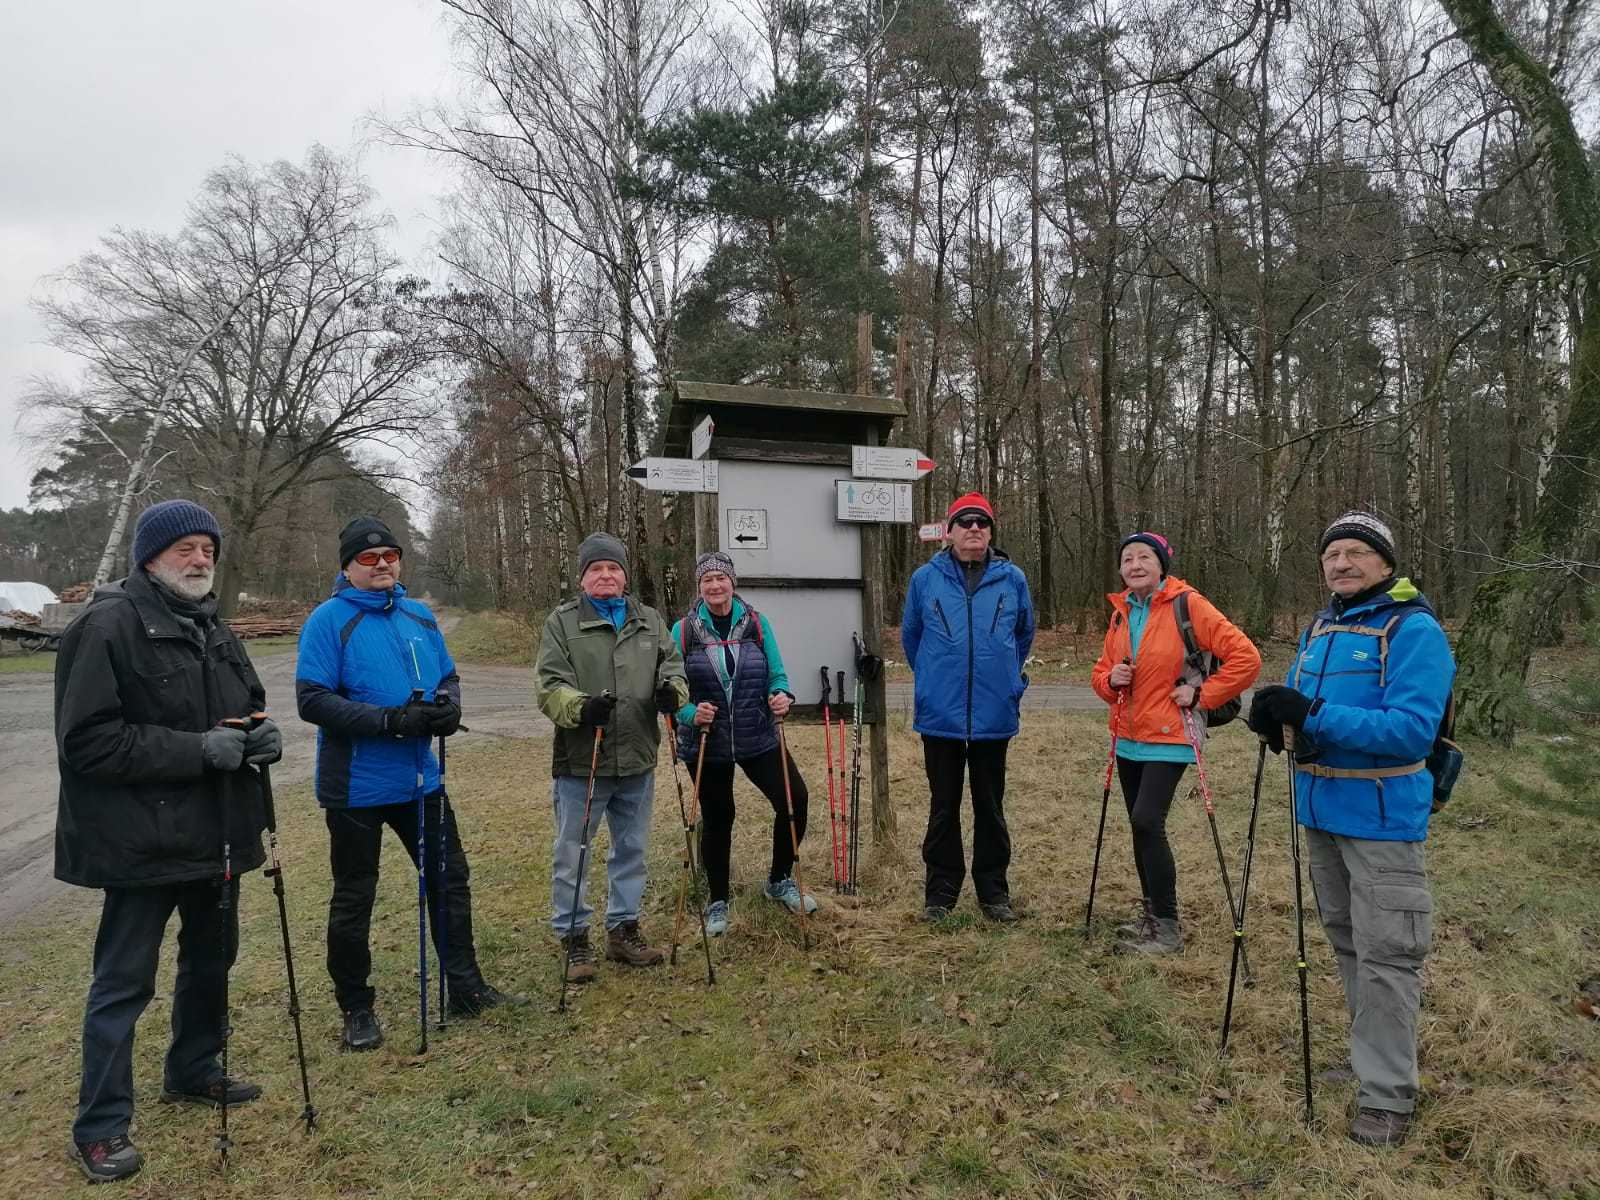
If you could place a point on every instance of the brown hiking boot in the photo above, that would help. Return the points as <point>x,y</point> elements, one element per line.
<point>580,958</point>
<point>1379,1127</point>
<point>625,944</point>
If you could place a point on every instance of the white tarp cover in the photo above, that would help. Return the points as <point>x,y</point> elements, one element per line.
<point>25,597</point>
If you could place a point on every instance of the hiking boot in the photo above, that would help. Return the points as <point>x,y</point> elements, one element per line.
<point>1138,928</point>
<point>935,913</point>
<point>108,1159</point>
<point>787,893</point>
<point>626,944</point>
<point>717,918</point>
<point>473,1001</point>
<point>361,1030</point>
<point>1000,911</point>
<point>580,958</point>
<point>1379,1127</point>
<point>1164,937</point>
<point>239,1092</point>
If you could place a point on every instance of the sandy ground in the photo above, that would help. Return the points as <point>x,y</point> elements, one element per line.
<point>498,703</point>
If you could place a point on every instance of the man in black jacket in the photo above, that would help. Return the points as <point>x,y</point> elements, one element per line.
<point>157,809</point>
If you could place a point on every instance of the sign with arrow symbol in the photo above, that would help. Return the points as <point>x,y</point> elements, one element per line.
<point>675,474</point>
<point>747,528</point>
<point>888,462</point>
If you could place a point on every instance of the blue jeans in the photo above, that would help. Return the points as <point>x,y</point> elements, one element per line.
<point>625,804</point>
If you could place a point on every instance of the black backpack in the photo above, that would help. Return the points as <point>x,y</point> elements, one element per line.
<point>1201,663</point>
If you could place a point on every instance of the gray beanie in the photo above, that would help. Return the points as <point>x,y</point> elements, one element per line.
<point>714,560</point>
<point>600,547</point>
<point>1363,527</point>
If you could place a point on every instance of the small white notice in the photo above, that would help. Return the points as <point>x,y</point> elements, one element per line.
<point>930,533</point>
<point>700,438</point>
<point>870,500</point>
<point>747,528</point>
<point>675,474</point>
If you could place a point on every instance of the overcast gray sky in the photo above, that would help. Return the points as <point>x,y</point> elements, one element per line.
<point>112,112</point>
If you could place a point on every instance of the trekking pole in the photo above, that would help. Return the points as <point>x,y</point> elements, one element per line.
<point>225,902</point>
<point>441,920</point>
<point>1191,727</point>
<point>1299,916</point>
<point>855,784</point>
<point>794,836</point>
<point>834,813</point>
<point>583,853</point>
<point>422,896</point>
<point>688,846</point>
<point>274,872</point>
<point>1105,802</point>
<point>844,814</point>
<point>1244,892</point>
<point>688,853</point>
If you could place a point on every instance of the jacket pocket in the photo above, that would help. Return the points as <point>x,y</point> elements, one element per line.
<point>943,620</point>
<point>1402,924</point>
<point>994,622</point>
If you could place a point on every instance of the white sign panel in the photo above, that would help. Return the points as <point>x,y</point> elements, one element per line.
<point>868,500</point>
<point>888,462</point>
<point>700,439</point>
<point>931,533</point>
<point>747,528</point>
<point>675,474</point>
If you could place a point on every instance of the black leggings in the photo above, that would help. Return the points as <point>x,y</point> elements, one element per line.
<point>1147,789</point>
<point>716,805</point>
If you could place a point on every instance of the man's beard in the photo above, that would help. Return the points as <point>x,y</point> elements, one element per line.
<point>180,580</point>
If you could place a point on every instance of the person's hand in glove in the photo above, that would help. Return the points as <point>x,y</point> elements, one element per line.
<point>1275,706</point>
<point>222,748</point>
<point>445,714</point>
<point>414,719</point>
<point>263,742</point>
<point>666,698</point>
<point>596,710</point>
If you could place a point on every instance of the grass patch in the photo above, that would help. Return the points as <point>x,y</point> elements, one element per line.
<point>887,1059</point>
<point>16,662</point>
<point>493,638</point>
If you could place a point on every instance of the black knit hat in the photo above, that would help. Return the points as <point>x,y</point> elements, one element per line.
<point>162,524</point>
<point>363,534</point>
<point>1364,527</point>
<point>1157,543</point>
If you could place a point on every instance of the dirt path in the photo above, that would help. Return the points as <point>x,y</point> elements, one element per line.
<point>498,704</point>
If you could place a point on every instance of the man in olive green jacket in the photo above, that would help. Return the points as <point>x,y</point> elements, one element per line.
<point>606,663</point>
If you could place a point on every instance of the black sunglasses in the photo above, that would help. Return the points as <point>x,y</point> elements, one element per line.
<point>972,521</point>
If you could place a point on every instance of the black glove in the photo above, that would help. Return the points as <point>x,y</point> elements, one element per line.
<point>667,699</point>
<point>444,715</point>
<point>596,710</point>
<point>1275,706</point>
<point>223,747</point>
<point>409,720</point>
<point>263,743</point>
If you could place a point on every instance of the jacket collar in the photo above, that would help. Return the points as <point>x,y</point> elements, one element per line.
<point>588,614</point>
<point>1171,587</point>
<point>373,601</point>
<point>157,619</point>
<point>945,560</point>
<point>1398,590</point>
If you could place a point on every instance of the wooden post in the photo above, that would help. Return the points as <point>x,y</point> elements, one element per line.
<point>877,708</point>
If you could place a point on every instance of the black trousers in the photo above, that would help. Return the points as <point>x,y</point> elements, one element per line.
<point>984,762</point>
<point>716,807</point>
<point>1147,790</point>
<point>355,840</point>
<point>127,948</point>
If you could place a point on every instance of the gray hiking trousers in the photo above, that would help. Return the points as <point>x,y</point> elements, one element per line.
<point>1377,911</point>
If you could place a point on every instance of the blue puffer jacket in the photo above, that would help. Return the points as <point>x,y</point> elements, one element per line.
<point>743,728</point>
<point>360,653</point>
<point>967,651</point>
<point>1371,710</point>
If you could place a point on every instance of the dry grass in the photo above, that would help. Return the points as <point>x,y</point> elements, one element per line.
<point>890,1059</point>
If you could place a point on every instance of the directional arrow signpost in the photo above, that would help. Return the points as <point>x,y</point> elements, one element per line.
<point>675,474</point>
<point>888,462</point>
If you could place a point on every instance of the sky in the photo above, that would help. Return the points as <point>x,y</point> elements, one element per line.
<point>113,111</point>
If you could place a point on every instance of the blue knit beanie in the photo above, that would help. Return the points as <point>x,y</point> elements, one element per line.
<point>162,524</point>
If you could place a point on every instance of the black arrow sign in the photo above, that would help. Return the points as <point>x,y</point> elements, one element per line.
<point>747,537</point>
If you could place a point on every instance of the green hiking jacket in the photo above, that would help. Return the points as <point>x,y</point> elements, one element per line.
<point>582,655</point>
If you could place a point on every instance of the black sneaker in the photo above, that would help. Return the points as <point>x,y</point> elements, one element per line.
<point>210,1094</point>
<point>107,1160</point>
<point>935,913</point>
<point>1000,911</point>
<point>361,1030</point>
<point>481,999</point>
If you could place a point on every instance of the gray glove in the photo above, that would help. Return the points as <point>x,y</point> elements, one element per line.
<point>264,743</point>
<point>223,747</point>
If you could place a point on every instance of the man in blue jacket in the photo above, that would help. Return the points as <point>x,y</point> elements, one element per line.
<point>365,654</point>
<point>966,631</point>
<point>1366,697</point>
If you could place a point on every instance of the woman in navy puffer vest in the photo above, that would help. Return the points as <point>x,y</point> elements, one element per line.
<point>738,689</point>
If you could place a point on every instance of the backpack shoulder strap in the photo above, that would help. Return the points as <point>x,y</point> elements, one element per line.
<point>1180,610</point>
<point>1403,610</point>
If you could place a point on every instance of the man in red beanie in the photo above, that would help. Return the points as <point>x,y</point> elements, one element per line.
<point>967,628</point>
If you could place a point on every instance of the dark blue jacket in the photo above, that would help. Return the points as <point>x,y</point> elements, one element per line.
<point>360,653</point>
<point>743,728</point>
<point>1372,709</point>
<point>967,651</point>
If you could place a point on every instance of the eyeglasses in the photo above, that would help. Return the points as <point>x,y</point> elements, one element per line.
<point>1357,555</point>
<point>371,558</point>
<point>973,521</point>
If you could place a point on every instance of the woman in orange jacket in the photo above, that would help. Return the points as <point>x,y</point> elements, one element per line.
<point>1143,673</point>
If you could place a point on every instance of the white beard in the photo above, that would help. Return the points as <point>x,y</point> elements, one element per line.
<point>189,586</point>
